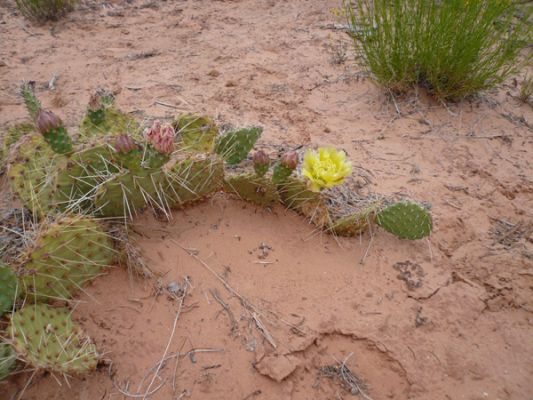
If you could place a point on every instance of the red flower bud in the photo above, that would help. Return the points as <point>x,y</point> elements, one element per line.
<point>153,131</point>
<point>124,144</point>
<point>47,120</point>
<point>165,142</point>
<point>261,162</point>
<point>289,160</point>
<point>261,158</point>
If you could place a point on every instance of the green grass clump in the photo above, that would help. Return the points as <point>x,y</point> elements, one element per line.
<point>454,48</point>
<point>45,10</point>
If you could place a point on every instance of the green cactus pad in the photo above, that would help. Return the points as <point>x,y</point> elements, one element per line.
<point>8,358</point>
<point>46,338</point>
<point>12,136</point>
<point>33,105</point>
<point>190,178</point>
<point>252,188</point>
<point>59,140</point>
<point>197,133</point>
<point>234,146</point>
<point>126,193</point>
<point>96,116</point>
<point>406,219</point>
<point>77,179</point>
<point>280,173</point>
<point>112,122</point>
<point>65,254</point>
<point>32,171</point>
<point>8,288</point>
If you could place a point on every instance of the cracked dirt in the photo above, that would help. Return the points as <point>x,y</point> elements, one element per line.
<point>458,326</point>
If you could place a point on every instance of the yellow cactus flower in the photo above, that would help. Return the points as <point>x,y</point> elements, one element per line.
<point>326,168</point>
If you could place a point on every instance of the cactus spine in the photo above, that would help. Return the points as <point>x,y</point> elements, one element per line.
<point>8,359</point>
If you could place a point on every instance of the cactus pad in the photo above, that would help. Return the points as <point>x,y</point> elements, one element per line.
<point>65,254</point>
<point>33,105</point>
<point>46,338</point>
<point>405,219</point>
<point>59,140</point>
<point>281,173</point>
<point>8,359</point>
<point>32,170</point>
<point>12,136</point>
<point>111,122</point>
<point>125,193</point>
<point>197,133</point>
<point>191,178</point>
<point>234,146</point>
<point>252,188</point>
<point>8,288</point>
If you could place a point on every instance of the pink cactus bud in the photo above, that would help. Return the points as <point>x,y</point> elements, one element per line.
<point>153,131</point>
<point>47,120</point>
<point>161,137</point>
<point>124,144</point>
<point>289,160</point>
<point>260,158</point>
<point>165,142</point>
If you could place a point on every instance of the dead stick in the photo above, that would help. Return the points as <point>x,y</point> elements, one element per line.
<point>225,306</point>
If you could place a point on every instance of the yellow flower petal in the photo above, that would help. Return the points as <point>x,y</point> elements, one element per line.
<point>325,168</point>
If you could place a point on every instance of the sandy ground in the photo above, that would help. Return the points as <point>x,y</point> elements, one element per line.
<point>448,318</point>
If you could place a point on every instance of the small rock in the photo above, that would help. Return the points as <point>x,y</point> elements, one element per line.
<point>277,367</point>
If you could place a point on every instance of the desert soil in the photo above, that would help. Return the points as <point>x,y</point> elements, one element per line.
<point>444,318</point>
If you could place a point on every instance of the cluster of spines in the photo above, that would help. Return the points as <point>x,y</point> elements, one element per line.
<point>234,146</point>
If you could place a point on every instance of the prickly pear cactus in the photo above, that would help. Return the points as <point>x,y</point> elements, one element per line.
<point>190,178</point>
<point>234,146</point>
<point>46,338</point>
<point>12,136</point>
<point>405,219</point>
<point>8,288</point>
<point>196,133</point>
<point>8,359</point>
<point>32,171</point>
<point>250,187</point>
<point>65,254</point>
